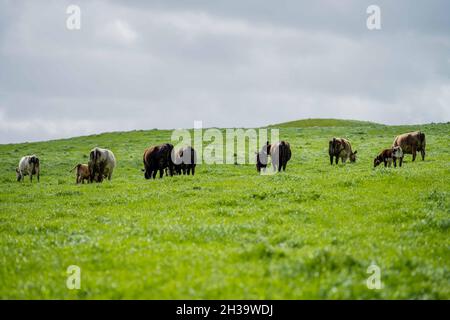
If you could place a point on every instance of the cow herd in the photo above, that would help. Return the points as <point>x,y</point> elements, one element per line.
<point>407,143</point>
<point>165,159</point>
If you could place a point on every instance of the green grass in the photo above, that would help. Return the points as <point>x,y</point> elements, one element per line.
<point>306,123</point>
<point>310,232</point>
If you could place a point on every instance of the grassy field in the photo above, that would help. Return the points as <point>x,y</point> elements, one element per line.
<point>310,232</point>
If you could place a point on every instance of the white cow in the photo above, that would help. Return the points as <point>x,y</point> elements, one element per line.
<point>28,165</point>
<point>101,164</point>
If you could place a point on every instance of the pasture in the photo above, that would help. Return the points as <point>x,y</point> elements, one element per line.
<point>227,233</point>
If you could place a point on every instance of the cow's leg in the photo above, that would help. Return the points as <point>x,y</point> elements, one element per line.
<point>385,163</point>
<point>413,153</point>
<point>400,162</point>
<point>395,162</point>
<point>31,177</point>
<point>161,173</point>
<point>337,159</point>
<point>331,160</point>
<point>422,152</point>
<point>193,170</point>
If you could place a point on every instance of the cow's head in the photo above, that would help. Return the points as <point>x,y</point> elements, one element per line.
<point>99,177</point>
<point>376,162</point>
<point>353,156</point>
<point>18,175</point>
<point>261,160</point>
<point>146,173</point>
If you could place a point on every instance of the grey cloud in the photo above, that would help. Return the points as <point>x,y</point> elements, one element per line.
<point>141,64</point>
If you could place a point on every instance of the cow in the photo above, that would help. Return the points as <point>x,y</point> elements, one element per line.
<point>280,153</point>
<point>28,165</point>
<point>262,157</point>
<point>158,158</point>
<point>101,164</point>
<point>341,148</point>
<point>411,142</point>
<point>388,155</point>
<point>83,173</point>
<point>185,161</point>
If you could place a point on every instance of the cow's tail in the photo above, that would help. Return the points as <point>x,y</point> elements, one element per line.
<point>422,139</point>
<point>95,154</point>
<point>331,147</point>
<point>282,151</point>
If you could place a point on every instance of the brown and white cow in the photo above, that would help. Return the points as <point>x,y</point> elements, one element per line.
<point>158,158</point>
<point>185,161</point>
<point>387,156</point>
<point>341,148</point>
<point>28,165</point>
<point>101,164</point>
<point>411,142</point>
<point>280,154</point>
<point>82,173</point>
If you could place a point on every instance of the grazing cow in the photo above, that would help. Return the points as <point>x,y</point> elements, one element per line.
<point>28,165</point>
<point>341,148</point>
<point>158,158</point>
<point>185,160</point>
<point>280,153</point>
<point>83,173</point>
<point>101,164</point>
<point>411,142</point>
<point>388,155</point>
<point>262,157</point>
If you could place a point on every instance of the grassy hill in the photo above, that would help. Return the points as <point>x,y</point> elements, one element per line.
<point>306,123</point>
<point>310,232</point>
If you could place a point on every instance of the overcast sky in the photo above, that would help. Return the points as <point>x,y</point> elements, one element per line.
<point>230,63</point>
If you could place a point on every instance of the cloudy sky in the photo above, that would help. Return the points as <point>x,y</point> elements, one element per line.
<point>233,63</point>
